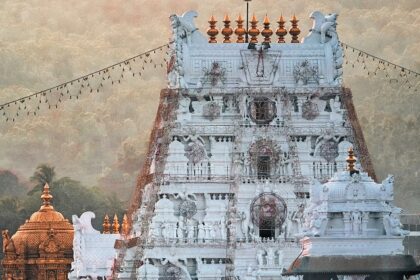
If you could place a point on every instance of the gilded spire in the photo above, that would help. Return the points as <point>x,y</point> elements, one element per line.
<point>46,197</point>
<point>125,229</point>
<point>254,31</point>
<point>351,160</point>
<point>115,225</point>
<point>240,30</point>
<point>267,32</point>
<point>227,30</point>
<point>281,31</point>
<point>106,225</point>
<point>212,31</point>
<point>294,31</point>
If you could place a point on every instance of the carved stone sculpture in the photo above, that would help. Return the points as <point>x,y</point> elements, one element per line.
<point>304,72</point>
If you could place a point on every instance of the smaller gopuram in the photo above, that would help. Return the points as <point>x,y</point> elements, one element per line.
<point>94,251</point>
<point>352,230</point>
<point>41,248</point>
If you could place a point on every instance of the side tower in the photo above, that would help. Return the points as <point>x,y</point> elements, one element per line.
<point>239,135</point>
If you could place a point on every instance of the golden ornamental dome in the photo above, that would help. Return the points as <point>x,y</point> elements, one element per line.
<point>44,226</point>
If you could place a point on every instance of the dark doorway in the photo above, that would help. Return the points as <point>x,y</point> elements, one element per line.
<point>263,171</point>
<point>267,228</point>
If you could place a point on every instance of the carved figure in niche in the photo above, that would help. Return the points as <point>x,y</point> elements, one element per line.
<point>310,110</point>
<point>184,109</point>
<point>387,188</point>
<point>356,220</point>
<point>270,256</point>
<point>282,168</point>
<point>336,115</point>
<point>207,228</point>
<point>260,257</point>
<point>315,223</point>
<point>244,223</point>
<point>190,230</point>
<point>326,145</point>
<point>215,76</point>
<point>180,229</point>
<point>201,232</point>
<point>246,165</point>
<point>211,110</point>
<point>195,150</point>
<point>393,225</point>
<point>297,219</point>
<point>304,71</point>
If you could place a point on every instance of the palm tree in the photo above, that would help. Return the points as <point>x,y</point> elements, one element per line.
<point>44,174</point>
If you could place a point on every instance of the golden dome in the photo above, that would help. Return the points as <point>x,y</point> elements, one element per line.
<point>43,225</point>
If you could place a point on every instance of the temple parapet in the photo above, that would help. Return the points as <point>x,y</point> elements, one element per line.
<point>198,63</point>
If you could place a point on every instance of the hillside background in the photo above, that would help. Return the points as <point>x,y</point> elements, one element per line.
<point>98,142</point>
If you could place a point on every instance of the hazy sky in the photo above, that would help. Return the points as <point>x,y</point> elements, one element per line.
<point>100,139</point>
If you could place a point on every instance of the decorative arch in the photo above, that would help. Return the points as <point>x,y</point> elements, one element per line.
<point>264,155</point>
<point>268,214</point>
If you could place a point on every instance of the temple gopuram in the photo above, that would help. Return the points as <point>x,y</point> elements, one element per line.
<point>256,169</point>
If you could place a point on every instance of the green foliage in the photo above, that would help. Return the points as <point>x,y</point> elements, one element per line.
<point>10,185</point>
<point>43,174</point>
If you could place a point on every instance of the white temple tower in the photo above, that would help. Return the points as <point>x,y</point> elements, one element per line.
<point>241,132</point>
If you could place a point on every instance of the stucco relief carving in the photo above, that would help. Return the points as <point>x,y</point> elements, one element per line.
<point>304,72</point>
<point>310,110</point>
<point>324,31</point>
<point>211,110</point>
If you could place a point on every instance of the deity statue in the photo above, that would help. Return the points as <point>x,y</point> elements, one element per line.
<point>336,115</point>
<point>260,257</point>
<point>393,225</point>
<point>356,219</point>
<point>190,230</point>
<point>201,232</point>
<point>297,219</point>
<point>326,145</point>
<point>180,229</point>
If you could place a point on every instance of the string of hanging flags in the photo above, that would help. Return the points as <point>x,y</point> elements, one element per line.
<point>381,68</point>
<point>51,98</point>
<point>90,83</point>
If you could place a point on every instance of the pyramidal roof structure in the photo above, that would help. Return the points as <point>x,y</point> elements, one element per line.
<point>249,120</point>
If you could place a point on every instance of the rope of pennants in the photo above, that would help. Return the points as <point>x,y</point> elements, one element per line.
<point>381,68</point>
<point>90,83</point>
<point>93,82</point>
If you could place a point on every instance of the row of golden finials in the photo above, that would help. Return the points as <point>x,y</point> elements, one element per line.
<point>253,32</point>
<point>114,228</point>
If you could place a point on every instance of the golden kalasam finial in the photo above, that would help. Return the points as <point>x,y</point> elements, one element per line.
<point>267,32</point>
<point>115,225</point>
<point>227,30</point>
<point>294,31</point>
<point>106,225</point>
<point>240,30</point>
<point>212,31</point>
<point>254,31</point>
<point>351,160</point>
<point>281,31</point>
<point>125,229</point>
<point>46,197</point>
